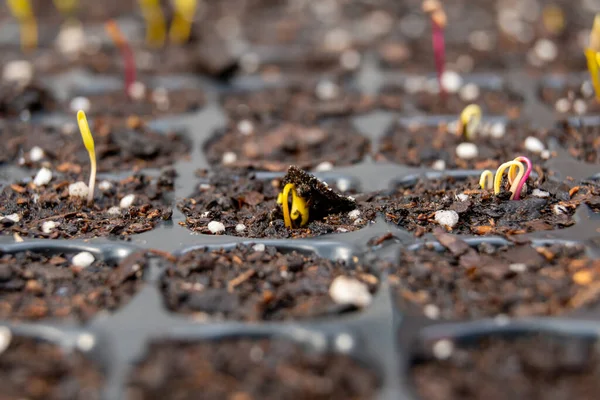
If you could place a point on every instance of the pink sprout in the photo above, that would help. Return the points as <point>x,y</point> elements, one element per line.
<point>527,162</point>
<point>439,52</point>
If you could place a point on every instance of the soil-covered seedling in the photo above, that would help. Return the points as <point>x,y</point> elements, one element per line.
<point>120,145</point>
<point>440,147</point>
<point>485,281</point>
<point>248,369</point>
<point>463,207</point>
<point>242,205</point>
<point>534,367</point>
<point>75,287</point>
<point>260,283</point>
<point>274,146</point>
<point>38,370</point>
<point>58,208</point>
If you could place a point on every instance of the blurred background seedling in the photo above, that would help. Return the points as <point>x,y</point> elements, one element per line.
<point>181,26</point>
<point>22,10</point>
<point>112,29</point>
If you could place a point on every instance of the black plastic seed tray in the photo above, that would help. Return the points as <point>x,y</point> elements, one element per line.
<point>381,337</point>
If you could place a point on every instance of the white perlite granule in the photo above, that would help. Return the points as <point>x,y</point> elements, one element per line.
<point>20,71</point>
<point>467,151</point>
<point>259,247</point>
<point>127,201</point>
<point>49,226</point>
<point>114,211</point>
<point>105,186</point>
<point>354,214</point>
<point>36,154</point>
<point>534,144</point>
<point>239,228</point>
<point>43,177</point>
<point>78,189</point>
<point>216,227</point>
<point>80,103</point>
<point>12,217</point>
<point>447,218</point>
<point>346,290</point>
<point>229,157</point>
<point>83,259</point>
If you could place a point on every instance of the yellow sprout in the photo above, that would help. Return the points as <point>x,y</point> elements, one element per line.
<point>299,206</point>
<point>182,20</point>
<point>500,173</point>
<point>592,54</point>
<point>486,180</point>
<point>155,22</point>
<point>23,12</point>
<point>470,119</point>
<point>66,7</point>
<point>88,142</point>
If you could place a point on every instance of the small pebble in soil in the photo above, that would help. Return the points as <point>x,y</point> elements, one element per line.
<point>127,201</point>
<point>354,214</point>
<point>580,106</point>
<point>451,81</point>
<point>431,311</point>
<point>559,209</point>
<point>229,157</point>
<point>245,127</point>
<point>49,226</point>
<point>343,184</point>
<point>447,218</point>
<point>546,50</point>
<point>439,165</point>
<point>78,189</point>
<point>258,247</point>
<point>469,92</point>
<point>587,89</point>
<point>114,211</point>
<point>327,90</point>
<point>239,228</point>
<point>36,154</point>
<point>105,186</point>
<point>498,130</point>
<point>462,197</point>
<point>83,259</point>
<point>534,145</point>
<point>562,105</point>
<point>518,267</point>
<point>539,193</point>
<point>12,217</point>
<point>324,166</point>
<point>345,290</point>
<point>350,59</point>
<point>137,90</point>
<point>80,103</point>
<point>216,227</point>
<point>43,177</point>
<point>467,151</point>
<point>20,71</point>
<point>443,349</point>
<point>71,39</point>
<point>545,154</point>
<point>5,338</point>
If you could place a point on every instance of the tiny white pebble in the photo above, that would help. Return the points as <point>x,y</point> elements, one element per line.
<point>350,59</point>
<point>48,226</point>
<point>80,103</point>
<point>114,211</point>
<point>562,105</point>
<point>70,39</point>
<point>105,186</point>
<point>43,177</point>
<point>83,259</point>
<point>580,106</point>
<point>20,71</point>
<point>439,165</point>
<point>204,186</point>
<point>258,247</point>
<point>137,90</point>
<point>502,319</point>
<point>469,92</point>
<point>86,342</point>
<point>558,209</point>
<point>239,228</point>
<point>518,267</point>
<point>447,218</point>
<point>498,130</point>
<point>546,50</point>
<point>350,198</point>
<point>205,214</point>
<point>344,342</point>
<point>443,349</point>
<point>354,214</point>
<point>229,157</point>
<point>534,144</point>
<point>324,166</point>
<point>346,290</point>
<point>462,197</point>
<point>327,90</point>
<point>216,227</point>
<point>78,189</point>
<point>36,154</point>
<point>5,338</point>
<point>431,311</point>
<point>539,193</point>
<point>452,127</point>
<point>127,201</point>
<point>451,81</point>
<point>12,217</point>
<point>587,89</point>
<point>245,127</point>
<point>545,154</point>
<point>343,184</point>
<point>358,221</point>
<point>467,151</point>
<point>342,230</point>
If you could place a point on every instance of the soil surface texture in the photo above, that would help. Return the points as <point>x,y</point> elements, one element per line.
<point>258,283</point>
<point>248,369</point>
<point>581,140</point>
<point>571,98</point>
<point>528,368</point>
<point>485,281</point>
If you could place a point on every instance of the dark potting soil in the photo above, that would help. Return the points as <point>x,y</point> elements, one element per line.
<point>492,101</point>
<point>234,199</point>
<point>246,369</point>
<point>120,145</point>
<point>482,212</point>
<point>576,97</point>
<point>536,367</point>
<point>258,283</point>
<point>17,98</point>
<point>37,370</point>
<point>73,218</point>
<point>485,281</point>
<point>275,146</point>
<point>35,286</point>
<point>417,144</point>
<point>581,140</point>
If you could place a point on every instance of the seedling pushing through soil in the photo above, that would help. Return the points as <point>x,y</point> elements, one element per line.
<point>112,28</point>
<point>438,23</point>
<point>22,10</point>
<point>181,26</point>
<point>517,176</point>
<point>592,54</point>
<point>469,121</point>
<point>299,207</point>
<point>155,22</point>
<point>88,141</point>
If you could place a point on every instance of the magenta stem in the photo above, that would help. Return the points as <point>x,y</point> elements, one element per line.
<point>439,52</point>
<point>527,162</point>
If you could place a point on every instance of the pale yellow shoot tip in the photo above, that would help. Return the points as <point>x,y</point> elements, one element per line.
<point>88,142</point>
<point>23,12</point>
<point>181,26</point>
<point>469,122</point>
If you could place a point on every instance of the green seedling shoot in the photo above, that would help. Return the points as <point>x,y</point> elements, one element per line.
<point>23,12</point>
<point>592,54</point>
<point>88,142</point>
<point>469,121</point>
<point>155,22</point>
<point>181,26</point>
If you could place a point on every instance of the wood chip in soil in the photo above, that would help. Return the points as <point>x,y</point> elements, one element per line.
<point>248,369</point>
<point>258,283</point>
